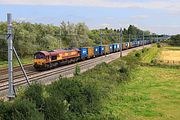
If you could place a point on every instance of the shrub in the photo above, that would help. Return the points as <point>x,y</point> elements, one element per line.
<point>81,98</point>
<point>19,110</point>
<point>55,109</point>
<point>154,61</point>
<point>93,98</point>
<point>77,70</point>
<point>138,54</point>
<point>124,72</point>
<point>123,69</point>
<point>158,45</point>
<point>144,50</point>
<point>35,94</point>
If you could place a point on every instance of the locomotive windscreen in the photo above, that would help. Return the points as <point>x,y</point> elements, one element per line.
<point>39,56</point>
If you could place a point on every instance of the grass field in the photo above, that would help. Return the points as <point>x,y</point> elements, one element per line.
<point>150,55</point>
<point>27,60</point>
<point>172,48</point>
<point>169,55</point>
<point>152,94</point>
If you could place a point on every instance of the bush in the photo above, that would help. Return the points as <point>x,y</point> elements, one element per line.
<point>82,99</point>
<point>77,70</point>
<point>138,54</point>
<point>19,110</point>
<point>144,50</point>
<point>123,69</point>
<point>35,94</point>
<point>154,61</point>
<point>124,73</point>
<point>55,109</point>
<point>158,45</point>
<point>175,40</point>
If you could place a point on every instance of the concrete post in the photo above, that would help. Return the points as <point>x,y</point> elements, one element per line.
<point>11,92</point>
<point>121,42</point>
<point>143,39</point>
<point>101,38</point>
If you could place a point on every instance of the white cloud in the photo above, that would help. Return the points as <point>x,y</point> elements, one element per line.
<point>140,17</point>
<point>153,4</point>
<point>162,29</point>
<point>105,25</point>
<point>24,19</point>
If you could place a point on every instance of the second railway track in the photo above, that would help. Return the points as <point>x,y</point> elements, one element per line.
<point>39,75</point>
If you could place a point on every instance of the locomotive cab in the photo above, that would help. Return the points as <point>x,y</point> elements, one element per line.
<point>40,59</point>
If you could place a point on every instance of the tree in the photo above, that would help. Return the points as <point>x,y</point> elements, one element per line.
<point>175,40</point>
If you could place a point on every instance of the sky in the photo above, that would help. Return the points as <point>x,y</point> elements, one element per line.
<point>157,16</point>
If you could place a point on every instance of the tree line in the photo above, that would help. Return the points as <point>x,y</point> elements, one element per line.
<point>175,40</point>
<point>29,38</point>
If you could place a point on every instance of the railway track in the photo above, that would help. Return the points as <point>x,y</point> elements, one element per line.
<point>4,71</point>
<point>35,76</point>
<point>63,71</point>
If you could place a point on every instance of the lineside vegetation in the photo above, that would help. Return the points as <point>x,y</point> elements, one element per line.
<point>123,89</point>
<point>29,38</point>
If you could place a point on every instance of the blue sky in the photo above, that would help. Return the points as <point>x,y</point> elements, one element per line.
<point>159,16</point>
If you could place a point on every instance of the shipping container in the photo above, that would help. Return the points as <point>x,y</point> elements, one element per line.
<point>107,50</point>
<point>145,42</point>
<point>127,45</point>
<point>124,46</point>
<point>96,51</point>
<point>130,45</point>
<point>101,50</point>
<point>118,47</point>
<point>138,43</point>
<point>115,47</point>
<point>133,44</point>
<point>148,41</point>
<point>111,48</point>
<point>90,52</point>
<point>84,53</point>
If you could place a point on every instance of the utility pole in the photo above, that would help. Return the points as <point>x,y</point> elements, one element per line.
<point>60,41</point>
<point>143,39</point>
<point>121,42</point>
<point>129,40</point>
<point>101,38</point>
<point>11,92</point>
<point>77,38</point>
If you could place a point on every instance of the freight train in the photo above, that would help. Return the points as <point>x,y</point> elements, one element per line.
<point>44,60</point>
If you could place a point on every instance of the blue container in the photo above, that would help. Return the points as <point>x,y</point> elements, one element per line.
<point>84,52</point>
<point>96,51</point>
<point>134,44</point>
<point>127,45</point>
<point>145,42</point>
<point>101,50</point>
<point>148,41</point>
<point>118,47</point>
<point>115,47</point>
<point>111,48</point>
<point>138,43</point>
<point>141,42</point>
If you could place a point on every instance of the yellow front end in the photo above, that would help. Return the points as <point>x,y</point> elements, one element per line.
<point>39,61</point>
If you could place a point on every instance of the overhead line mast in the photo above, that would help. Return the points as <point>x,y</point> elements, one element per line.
<point>121,42</point>
<point>11,92</point>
